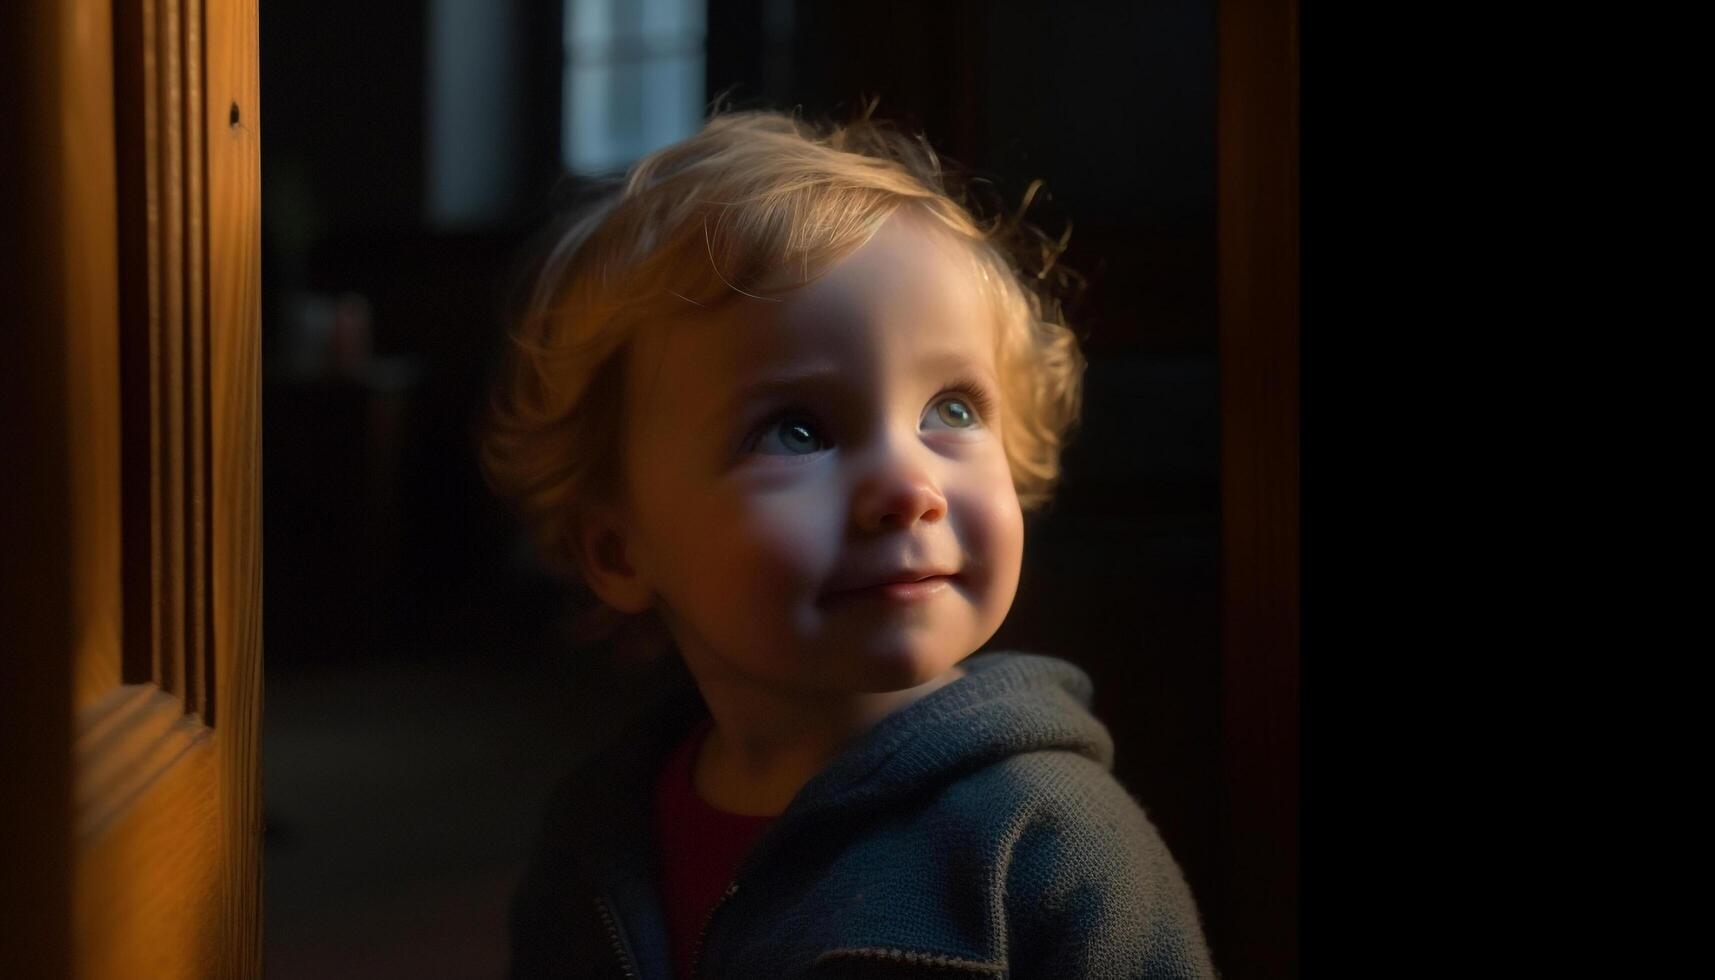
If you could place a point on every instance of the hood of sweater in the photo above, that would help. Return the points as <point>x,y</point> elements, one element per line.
<point>1006,704</point>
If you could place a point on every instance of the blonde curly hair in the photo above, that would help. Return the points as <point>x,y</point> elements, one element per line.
<point>754,203</point>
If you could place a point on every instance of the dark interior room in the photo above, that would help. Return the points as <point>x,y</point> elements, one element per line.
<point>425,687</point>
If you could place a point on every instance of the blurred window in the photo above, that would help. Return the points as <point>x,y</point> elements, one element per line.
<point>634,79</point>
<point>473,128</point>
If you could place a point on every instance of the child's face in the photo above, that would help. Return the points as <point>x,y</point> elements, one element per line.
<point>753,513</point>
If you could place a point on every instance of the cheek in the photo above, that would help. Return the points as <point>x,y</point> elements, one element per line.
<point>993,532</point>
<point>785,538</point>
<point>752,550</point>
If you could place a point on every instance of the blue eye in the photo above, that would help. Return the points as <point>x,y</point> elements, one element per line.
<point>957,411</point>
<point>788,437</point>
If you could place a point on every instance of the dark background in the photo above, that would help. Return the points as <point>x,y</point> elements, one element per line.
<point>422,693</point>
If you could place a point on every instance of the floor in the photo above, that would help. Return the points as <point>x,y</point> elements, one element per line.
<point>402,800</point>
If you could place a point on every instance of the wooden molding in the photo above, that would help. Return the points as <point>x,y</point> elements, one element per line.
<point>164,350</point>
<point>134,849</point>
<point>167,789</point>
<point>89,277</point>
<point>233,125</point>
<point>124,744</point>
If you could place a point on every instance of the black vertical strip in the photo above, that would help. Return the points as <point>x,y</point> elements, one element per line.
<point>543,72</point>
<point>136,340</point>
<point>38,597</point>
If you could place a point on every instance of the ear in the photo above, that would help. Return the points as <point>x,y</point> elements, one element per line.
<point>604,549</point>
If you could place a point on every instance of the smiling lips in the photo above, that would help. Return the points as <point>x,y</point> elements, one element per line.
<point>906,587</point>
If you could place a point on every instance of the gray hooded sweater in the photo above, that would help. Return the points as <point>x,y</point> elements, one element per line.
<point>978,831</point>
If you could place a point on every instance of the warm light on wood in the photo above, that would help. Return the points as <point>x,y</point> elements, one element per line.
<point>91,291</point>
<point>150,226</point>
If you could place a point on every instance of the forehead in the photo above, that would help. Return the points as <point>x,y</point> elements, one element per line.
<point>908,302</point>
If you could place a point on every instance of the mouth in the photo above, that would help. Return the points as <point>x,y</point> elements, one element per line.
<point>903,589</point>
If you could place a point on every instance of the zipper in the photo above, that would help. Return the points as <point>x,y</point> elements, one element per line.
<point>697,951</point>
<point>609,923</point>
<point>896,956</point>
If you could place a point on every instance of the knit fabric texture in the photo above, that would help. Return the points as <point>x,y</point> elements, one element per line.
<point>977,831</point>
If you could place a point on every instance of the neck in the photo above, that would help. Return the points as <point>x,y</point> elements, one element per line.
<point>767,742</point>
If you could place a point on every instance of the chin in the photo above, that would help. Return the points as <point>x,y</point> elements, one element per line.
<point>902,667</point>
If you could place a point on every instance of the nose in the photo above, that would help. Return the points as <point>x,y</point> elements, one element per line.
<point>896,492</point>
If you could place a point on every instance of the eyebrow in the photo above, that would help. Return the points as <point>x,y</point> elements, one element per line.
<point>951,360</point>
<point>774,384</point>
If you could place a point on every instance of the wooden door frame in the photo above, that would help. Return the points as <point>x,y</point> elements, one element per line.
<point>132,825</point>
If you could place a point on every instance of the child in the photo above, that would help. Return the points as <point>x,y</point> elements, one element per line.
<point>783,397</point>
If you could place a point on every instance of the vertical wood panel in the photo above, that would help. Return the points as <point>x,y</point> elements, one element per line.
<point>1257,145</point>
<point>198,499</point>
<point>233,125</point>
<point>160,53</point>
<point>91,289</point>
<point>135,852</point>
<point>167,818</point>
<point>169,331</point>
